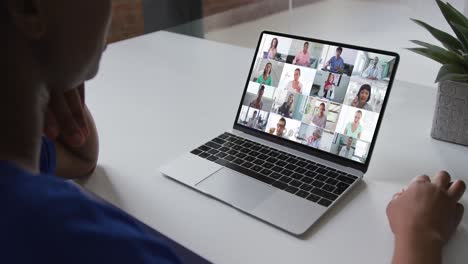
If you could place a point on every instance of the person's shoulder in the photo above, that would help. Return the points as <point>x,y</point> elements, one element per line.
<point>53,218</point>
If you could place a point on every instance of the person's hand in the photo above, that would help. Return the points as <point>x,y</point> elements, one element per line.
<point>427,210</point>
<point>355,102</point>
<point>65,117</point>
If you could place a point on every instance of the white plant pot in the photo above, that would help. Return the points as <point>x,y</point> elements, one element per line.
<point>451,113</point>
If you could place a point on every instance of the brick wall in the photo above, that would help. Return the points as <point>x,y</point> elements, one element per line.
<point>127,20</point>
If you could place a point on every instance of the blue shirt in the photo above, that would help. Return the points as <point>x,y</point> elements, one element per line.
<point>336,64</point>
<point>45,219</point>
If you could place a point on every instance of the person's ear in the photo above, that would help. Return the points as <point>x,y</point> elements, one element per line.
<point>28,17</point>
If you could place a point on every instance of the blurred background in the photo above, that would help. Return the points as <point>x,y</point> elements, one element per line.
<point>382,24</point>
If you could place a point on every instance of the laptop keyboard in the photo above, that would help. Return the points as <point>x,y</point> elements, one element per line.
<point>304,178</point>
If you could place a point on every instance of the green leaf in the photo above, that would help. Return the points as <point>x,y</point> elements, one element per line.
<point>446,39</point>
<point>452,72</point>
<point>462,29</point>
<point>460,16</point>
<point>454,17</point>
<point>439,54</point>
<point>441,58</point>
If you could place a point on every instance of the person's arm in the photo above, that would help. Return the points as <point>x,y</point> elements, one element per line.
<point>424,217</point>
<point>417,249</point>
<point>295,60</point>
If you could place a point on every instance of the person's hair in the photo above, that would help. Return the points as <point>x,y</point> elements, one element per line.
<point>340,49</point>
<point>331,74</point>
<point>306,43</point>
<point>299,70</point>
<point>271,68</point>
<point>282,120</point>
<point>365,87</point>
<point>323,104</point>
<point>359,112</point>
<point>255,112</point>
<point>262,88</point>
<point>276,44</point>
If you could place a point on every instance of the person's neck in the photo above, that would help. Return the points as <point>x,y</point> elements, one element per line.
<point>22,107</point>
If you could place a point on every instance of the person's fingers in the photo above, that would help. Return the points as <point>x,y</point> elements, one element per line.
<point>442,179</point>
<point>459,211</point>
<point>51,126</point>
<point>69,128</point>
<point>456,190</point>
<point>421,179</point>
<point>73,99</point>
<point>396,195</point>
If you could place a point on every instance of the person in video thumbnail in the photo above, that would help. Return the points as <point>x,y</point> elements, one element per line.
<point>347,151</point>
<point>253,120</point>
<point>295,86</point>
<point>273,49</point>
<point>258,103</point>
<point>280,127</point>
<point>374,71</point>
<point>362,98</point>
<point>329,87</point>
<point>314,140</point>
<point>354,129</point>
<point>336,63</point>
<point>320,119</point>
<point>286,109</point>
<point>303,57</point>
<point>265,77</point>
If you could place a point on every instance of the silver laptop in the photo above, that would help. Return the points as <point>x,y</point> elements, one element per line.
<point>303,135</point>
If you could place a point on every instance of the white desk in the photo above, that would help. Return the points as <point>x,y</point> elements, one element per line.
<point>160,95</point>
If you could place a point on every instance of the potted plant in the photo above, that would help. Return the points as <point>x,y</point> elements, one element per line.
<point>451,114</point>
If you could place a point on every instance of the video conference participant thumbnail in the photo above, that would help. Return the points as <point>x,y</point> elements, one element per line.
<point>267,72</point>
<point>349,148</point>
<point>253,118</point>
<point>357,123</point>
<point>259,96</point>
<point>282,127</point>
<point>366,95</point>
<point>330,86</point>
<point>289,104</point>
<point>374,67</point>
<point>361,101</point>
<point>297,79</point>
<point>338,59</point>
<point>303,57</point>
<point>274,48</point>
<point>336,63</point>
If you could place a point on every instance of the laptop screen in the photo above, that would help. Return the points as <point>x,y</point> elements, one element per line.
<point>322,96</point>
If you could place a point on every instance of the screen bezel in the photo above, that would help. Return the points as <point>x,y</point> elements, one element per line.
<point>303,148</point>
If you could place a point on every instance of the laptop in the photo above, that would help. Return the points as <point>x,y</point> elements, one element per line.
<point>293,153</point>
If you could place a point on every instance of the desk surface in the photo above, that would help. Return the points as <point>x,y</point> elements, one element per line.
<point>162,94</point>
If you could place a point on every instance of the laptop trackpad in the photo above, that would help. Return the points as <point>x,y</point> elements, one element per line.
<point>237,189</point>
